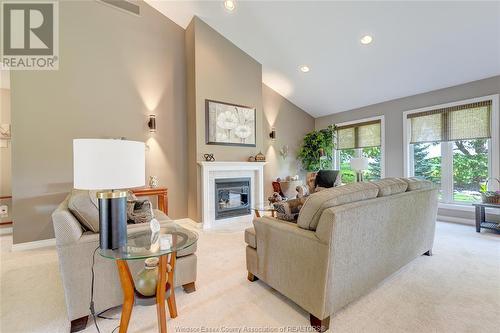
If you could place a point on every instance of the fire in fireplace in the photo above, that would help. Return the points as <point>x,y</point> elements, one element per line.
<point>232,197</point>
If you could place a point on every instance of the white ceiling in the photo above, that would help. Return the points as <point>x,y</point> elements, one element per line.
<point>417,46</point>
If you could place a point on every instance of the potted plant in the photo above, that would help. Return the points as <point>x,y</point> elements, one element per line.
<point>489,196</point>
<point>317,148</point>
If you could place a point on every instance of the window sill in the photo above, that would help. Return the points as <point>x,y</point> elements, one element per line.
<point>465,208</point>
<point>454,206</point>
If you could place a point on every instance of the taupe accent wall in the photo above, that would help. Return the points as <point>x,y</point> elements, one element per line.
<point>115,69</point>
<point>291,124</point>
<point>218,70</point>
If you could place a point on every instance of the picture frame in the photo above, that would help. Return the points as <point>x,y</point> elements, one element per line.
<point>228,124</point>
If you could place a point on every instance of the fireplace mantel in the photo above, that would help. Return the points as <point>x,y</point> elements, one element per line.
<point>230,164</point>
<point>209,171</point>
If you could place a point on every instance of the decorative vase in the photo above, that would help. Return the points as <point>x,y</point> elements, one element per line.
<point>153,182</point>
<point>148,277</point>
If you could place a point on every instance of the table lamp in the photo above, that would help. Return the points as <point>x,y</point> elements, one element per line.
<point>359,164</point>
<point>109,166</point>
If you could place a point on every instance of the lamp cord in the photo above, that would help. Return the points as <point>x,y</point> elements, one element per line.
<point>92,306</point>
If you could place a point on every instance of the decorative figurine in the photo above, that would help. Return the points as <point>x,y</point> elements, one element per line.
<point>153,182</point>
<point>209,157</point>
<point>260,157</point>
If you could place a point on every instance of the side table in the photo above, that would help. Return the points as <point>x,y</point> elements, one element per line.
<point>144,245</point>
<point>160,192</point>
<point>263,207</point>
<point>481,217</point>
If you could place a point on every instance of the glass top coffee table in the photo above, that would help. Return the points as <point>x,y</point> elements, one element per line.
<point>263,207</point>
<point>146,244</point>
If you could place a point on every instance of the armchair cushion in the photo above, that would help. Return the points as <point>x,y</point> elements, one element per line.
<point>316,203</point>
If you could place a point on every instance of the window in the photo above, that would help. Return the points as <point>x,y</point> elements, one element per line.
<point>452,145</point>
<point>356,139</point>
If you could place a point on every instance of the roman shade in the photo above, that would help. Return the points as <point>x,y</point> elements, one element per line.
<point>461,122</point>
<point>360,135</point>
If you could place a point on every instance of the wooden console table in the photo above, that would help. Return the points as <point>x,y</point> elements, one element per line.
<point>160,192</point>
<point>481,217</point>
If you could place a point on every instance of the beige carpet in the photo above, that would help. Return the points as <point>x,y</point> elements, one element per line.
<point>456,290</point>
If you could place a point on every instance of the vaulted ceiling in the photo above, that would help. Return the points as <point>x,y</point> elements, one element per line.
<point>417,46</point>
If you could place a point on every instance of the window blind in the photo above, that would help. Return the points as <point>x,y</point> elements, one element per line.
<point>461,122</point>
<point>359,135</point>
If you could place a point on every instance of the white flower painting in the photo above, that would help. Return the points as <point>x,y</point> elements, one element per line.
<point>229,124</point>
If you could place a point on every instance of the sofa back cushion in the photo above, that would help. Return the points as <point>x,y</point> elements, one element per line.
<point>415,183</point>
<point>390,186</point>
<point>83,205</point>
<point>316,203</point>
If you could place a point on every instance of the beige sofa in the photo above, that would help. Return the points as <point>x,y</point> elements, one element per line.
<point>346,241</point>
<point>75,248</point>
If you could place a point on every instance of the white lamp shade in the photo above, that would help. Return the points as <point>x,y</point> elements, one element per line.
<point>359,163</point>
<point>107,164</point>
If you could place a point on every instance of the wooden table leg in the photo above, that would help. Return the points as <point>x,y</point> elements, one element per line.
<point>172,306</point>
<point>128,294</point>
<point>163,203</point>
<point>160,295</point>
<point>478,219</point>
<point>257,214</point>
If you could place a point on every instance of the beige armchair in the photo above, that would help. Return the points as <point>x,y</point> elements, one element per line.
<point>75,248</point>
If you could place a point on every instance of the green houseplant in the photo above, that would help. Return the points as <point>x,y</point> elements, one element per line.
<point>314,143</point>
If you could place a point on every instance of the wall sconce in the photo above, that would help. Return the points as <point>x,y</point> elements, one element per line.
<point>152,123</point>
<point>272,135</point>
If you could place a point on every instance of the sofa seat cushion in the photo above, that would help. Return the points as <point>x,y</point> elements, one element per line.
<point>83,205</point>
<point>250,237</point>
<point>390,186</point>
<point>415,183</point>
<point>316,203</point>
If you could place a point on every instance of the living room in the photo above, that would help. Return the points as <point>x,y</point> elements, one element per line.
<point>295,160</point>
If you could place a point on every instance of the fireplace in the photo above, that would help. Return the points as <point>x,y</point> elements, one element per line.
<point>232,197</point>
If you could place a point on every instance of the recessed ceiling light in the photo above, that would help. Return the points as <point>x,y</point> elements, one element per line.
<point>366,39</point>
<point>304,69</point>
<point>229,5</point>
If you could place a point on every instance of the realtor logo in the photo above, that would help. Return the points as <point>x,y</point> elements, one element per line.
<point>30,38</point>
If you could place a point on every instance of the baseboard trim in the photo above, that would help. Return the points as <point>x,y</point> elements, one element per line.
<point>5,230</point>
<point>191,222</point>
<point>33,245</point>
<point>453,219</point>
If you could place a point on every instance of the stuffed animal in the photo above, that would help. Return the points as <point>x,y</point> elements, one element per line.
<point>276,197</point>
<point>302,191</point>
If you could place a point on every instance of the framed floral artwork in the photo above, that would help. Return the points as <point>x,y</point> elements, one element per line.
<point>229,124</point>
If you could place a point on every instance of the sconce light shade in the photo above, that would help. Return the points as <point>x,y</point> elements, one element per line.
<point>152,123</point>
<point>272,135</point>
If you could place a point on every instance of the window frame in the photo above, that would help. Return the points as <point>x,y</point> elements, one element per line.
<point>358,151</point>
<point>447,148</point>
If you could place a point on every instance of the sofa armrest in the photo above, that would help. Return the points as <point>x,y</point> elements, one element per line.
<point>67,229</point>
<point>293,261</point>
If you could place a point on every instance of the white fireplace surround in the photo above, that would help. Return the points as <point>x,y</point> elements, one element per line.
<point>219,170</point>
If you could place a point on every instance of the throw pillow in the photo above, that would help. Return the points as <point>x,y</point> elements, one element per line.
<point>139,211</point>
<point>390,186</point>
<point>83,205</point>
<point>415,183</point>
<point>327,178</point>
<point>289,210</point>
